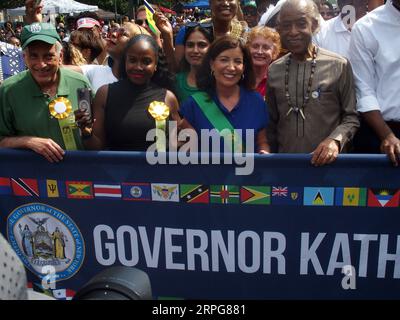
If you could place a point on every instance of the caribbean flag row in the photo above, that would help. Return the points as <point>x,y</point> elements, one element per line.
<point>201,193</point>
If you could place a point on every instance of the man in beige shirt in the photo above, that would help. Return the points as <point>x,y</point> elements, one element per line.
<point>311,95</point>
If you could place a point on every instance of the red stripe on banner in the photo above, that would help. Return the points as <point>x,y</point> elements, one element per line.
<point>5,182</point>
<point>107,190</point>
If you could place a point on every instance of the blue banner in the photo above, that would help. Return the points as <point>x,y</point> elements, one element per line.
<point>286,231</point>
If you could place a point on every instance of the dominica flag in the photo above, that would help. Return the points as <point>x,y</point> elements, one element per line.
<point>132,191</point>
<point>5,186</point>
<point>383,197</point>
<point>107,191</point>
<point>284,195</point>
<point>52,188</point>
<point>194,193</point>
<point>79,189</point>
<point>255,195</point>
<point>351,197</point>
<point>25,187</point>
<point>225,194</point>
<point>321,196</point>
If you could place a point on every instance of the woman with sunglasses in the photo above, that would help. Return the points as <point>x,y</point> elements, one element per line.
<point>227,99</point>
<point>121,110</point>
<point>197,41</point>
<point>264,45</point>
<point>223,22</point>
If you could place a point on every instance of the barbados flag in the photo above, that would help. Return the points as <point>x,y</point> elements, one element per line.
<point>52,188</point>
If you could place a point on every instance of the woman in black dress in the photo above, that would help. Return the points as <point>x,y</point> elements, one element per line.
<point>120,110</point>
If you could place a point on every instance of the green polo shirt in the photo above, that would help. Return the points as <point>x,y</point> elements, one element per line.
<point>184,90</point>
<point>24,108</point>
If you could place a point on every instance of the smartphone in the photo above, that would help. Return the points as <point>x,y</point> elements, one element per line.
<point>85,100</point>
<point>37,2</point>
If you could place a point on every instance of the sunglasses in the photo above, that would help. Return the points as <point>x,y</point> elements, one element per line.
<point>193,24</point>
<point>140,22</point>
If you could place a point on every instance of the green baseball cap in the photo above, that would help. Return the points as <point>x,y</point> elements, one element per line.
<point>45,32</point>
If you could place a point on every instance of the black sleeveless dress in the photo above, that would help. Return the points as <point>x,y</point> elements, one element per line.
<point>127,120</point>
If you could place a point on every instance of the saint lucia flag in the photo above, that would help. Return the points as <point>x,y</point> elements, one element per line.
<point>318,196</point>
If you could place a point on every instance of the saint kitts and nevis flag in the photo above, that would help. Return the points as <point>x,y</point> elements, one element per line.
<point>201,193</point>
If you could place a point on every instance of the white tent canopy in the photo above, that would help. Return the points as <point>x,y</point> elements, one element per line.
<point>57,6</point>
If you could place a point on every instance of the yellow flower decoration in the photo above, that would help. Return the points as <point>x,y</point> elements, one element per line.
<point>60,108</point>
<point>158,110</point>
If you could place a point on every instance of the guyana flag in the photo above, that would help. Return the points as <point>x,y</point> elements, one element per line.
<point>79,189</point>
<point>225,194</point>
<point>255,195</point>
<point>194,193</point>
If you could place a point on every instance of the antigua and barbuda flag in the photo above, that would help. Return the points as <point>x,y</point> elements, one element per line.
<point>195,193</point>
<point>383,197</point>
<point>52,188</point>
<point>165,192</point>
<point>351,197</point>
<point>25,187</point>
<point>5,186</point>
<point>284,195</point>
<point>132,191</point>
<point>319,196</point>
<point>107,191</point>
<point>255,195</point>
<point>224,194</point>
<point>79,189</point>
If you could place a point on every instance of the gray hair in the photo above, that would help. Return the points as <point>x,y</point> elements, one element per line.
<point>58,45</point>
<point>310,6</point>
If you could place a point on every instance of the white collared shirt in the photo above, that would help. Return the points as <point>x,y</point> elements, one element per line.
<point>375,58</point>
<point>334,37</point>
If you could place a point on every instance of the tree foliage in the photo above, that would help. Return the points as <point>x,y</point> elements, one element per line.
<point>8,4</point>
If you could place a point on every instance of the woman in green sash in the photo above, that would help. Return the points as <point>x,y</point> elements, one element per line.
<point>197,40</point>
<point>227,101</point>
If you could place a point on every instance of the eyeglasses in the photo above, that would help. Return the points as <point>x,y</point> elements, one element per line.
<point>194,24</point>
<point>140,22</point>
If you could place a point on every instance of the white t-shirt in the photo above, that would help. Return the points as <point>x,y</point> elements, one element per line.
<point>98,75</point>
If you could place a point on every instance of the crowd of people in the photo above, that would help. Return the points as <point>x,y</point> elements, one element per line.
<point>305,76</point>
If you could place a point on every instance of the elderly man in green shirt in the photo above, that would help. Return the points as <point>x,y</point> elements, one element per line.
<point>37,106</point>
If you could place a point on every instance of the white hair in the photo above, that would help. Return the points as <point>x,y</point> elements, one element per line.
<point>311,9</point>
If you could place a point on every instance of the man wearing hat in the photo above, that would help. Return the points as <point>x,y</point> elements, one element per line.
<point>250,13</point>
<point>36,106</point>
